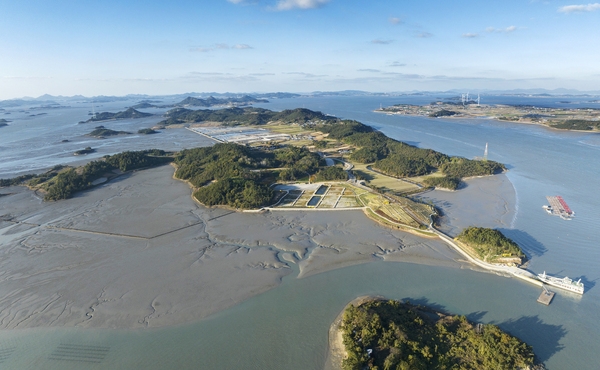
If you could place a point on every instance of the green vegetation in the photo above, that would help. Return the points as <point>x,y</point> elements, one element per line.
<point>578,124</point>
<point>31,179</point>
<point>147,131</point>
<point>63,182</point>
<point>489,243</point>
<point>129,113</point>
<point>462,167</point>
<point>235,192</point>
<point>101,131</point>
<point>402,336</point>
<point>398,159</point>
<point>331,173</point>
<point>443,113</point>
<point>446,182</point>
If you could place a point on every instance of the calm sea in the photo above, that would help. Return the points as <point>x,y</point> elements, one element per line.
<point>286,328</point>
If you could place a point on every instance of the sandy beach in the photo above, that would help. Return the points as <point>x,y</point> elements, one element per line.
<point>139,252</point>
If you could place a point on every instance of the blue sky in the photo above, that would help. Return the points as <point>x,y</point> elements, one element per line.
<point>120,47</point>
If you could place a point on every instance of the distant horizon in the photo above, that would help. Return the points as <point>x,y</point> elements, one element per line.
<point>157,48</point>
<point>557,92</point>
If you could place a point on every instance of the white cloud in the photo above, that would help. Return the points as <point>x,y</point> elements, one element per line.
<point>300,4</point>
<point>242,46</point>
<point>236,1</point>
<point>470,35</point>
<point>508,29</point>
<point>394,20</point>
<point>579,8</point>
<point>397,64</point>
<point>368,70</point>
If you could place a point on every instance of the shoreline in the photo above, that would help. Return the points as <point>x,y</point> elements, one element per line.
<point>483,117</point>
<point>83,250</point>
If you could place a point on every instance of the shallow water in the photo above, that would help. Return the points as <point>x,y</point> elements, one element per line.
<point>287,326</point>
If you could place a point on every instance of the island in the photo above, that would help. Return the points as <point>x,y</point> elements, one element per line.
<point>147,131</point>
<point>62,182</point>
<point>3,122</point>
<point>208,102</point>
<point>101,132</point>
<point>375,333</point>
<point>581,119</point>
<point>490,246</point>
<point>87,150</point>
<point>129,113</point>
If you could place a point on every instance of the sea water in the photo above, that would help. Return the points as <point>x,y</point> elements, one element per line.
<point>286,328</point>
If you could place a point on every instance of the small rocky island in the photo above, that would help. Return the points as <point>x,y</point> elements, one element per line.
<point>3,122</point>
<point>374,333</point>
<point>87,150</point>
<point>147,131</point>
<point>102,132</point>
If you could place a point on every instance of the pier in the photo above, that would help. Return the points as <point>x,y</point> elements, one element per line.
<point>546,296</point>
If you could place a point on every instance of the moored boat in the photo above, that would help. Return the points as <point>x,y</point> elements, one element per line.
<point>563,283</point>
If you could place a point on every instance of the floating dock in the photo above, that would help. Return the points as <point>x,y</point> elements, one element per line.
<point>546,296</point>
<point>558,207</point>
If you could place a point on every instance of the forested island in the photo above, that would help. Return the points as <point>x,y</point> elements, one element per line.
<point>388,334</point>
<point>62,182</point>
<point>147,131</point>
<point>3,122</point>
<point>490,245</point>
<point>129,113</point>
<point>101,132</point>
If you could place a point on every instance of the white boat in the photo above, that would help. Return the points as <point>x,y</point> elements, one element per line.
<point>563,283</point>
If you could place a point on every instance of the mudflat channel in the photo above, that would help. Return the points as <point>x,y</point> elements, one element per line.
<point>139,252</point>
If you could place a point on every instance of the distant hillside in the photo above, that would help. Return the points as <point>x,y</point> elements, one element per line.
<point>3,122</point>
<point>129,113</point>
<point>212,101</point>
<point>242,116</point>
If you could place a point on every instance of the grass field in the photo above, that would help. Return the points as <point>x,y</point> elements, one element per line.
<point>386,183</point>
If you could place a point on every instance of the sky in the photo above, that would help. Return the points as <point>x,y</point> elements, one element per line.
<point>69,47</point>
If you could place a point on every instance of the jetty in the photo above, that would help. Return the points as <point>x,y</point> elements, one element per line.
<point>546,296</point>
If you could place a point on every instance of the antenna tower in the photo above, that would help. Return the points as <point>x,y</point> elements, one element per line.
<point>478,100</point>
<point>485,152</point>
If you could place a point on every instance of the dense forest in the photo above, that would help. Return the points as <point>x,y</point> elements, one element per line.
<point>489,243</point>
<point>239,176</point>
<point>446,182</point>
<point>399,159</point>
<point>402,336</point>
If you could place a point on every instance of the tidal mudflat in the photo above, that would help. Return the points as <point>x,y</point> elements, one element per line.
<point>139,252</point>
